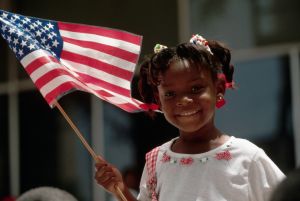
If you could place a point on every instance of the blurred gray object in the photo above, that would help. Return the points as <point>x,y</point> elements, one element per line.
<point>46,194</point>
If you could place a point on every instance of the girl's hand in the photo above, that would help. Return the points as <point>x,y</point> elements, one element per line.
<point>108,176</point>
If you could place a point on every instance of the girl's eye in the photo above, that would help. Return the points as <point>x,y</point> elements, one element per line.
<point>169,94</point>
<point>196,89</point>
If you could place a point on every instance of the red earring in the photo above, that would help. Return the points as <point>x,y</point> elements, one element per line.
<point>220,101</point>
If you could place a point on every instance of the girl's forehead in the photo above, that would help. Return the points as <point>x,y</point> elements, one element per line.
<point>185,66</point>
<point>182,70</point>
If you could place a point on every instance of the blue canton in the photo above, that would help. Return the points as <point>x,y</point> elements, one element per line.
<point>27,34</point>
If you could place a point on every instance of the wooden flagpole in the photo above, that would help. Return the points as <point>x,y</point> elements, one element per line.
<point>84,142</point>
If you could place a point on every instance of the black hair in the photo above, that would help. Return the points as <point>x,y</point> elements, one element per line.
<point>158,64</point>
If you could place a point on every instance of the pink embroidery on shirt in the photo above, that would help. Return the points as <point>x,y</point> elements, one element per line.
<point>225,155</point>
<point>186,161</point>
<point>165,158</point>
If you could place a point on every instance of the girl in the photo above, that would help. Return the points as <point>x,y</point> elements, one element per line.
<point>203,164</point>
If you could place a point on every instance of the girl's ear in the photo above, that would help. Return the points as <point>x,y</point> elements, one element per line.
<point>220,86</point>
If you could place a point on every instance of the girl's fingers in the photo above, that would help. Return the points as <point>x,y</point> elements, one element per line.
<point>104,177</point>
<point>100,163</point>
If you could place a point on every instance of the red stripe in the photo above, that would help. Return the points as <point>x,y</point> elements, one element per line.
<point>129,107</point>
<point>114,51</point>
<point>102,31</point>
<point>39,62</point>
<point>113,70</point>
<point>106,85</point>
<point>62,90</point>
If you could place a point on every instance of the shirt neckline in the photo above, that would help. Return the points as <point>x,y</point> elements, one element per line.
<point>200,155</point>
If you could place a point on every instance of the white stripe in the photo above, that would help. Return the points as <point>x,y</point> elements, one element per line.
<point>124,45</point>
<point>95,73</point>
<point>57,81</point>
<point>33,56</point>
<point>97,55</point>
<point>116,100</point>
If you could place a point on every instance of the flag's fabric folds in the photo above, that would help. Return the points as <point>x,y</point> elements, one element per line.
<point>62,57</point>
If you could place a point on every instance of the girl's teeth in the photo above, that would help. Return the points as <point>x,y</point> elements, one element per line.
<point>188,113</point>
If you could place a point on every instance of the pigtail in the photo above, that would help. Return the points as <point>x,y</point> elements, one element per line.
<point>144,84</point>
<point>223,55</point>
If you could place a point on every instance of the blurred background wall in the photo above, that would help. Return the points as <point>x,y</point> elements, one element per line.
<point>38,147</point>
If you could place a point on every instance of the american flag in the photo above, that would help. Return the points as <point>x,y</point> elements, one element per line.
<point>62,57</point>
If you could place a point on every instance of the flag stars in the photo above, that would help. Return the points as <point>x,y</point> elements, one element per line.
<point>27,20</point>
<point>23,43</point>
<point>16,42</point>
<point>54,34</point>
<point>31,27</point>
<point>44,40</point>
<point>19,33</point>
<point>20,52</point>
<point>4,15</point>
<point>39,22</point>
<point>35,25</point>
<point>13,20</point>
<point>8,39</point>
<point>20,25</point>
<point>55,43</point>
<point>50,36</point>
<point>35,41</point>
<point>46,28</point>
<point>27,37</point>
<point>50,25</point>
<point>43,30</point>
<point>31,47</point>
<point>48,47</point>
<point>3,28</point>
<point>11,30</point>
<point>24,21</point>
<point>38,33</point>
<point>16,17</point>
<point>25,34</point>
<point>14,49</point>
<point>26,30</point>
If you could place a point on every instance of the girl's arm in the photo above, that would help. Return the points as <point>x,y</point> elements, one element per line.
<point>110,178</point>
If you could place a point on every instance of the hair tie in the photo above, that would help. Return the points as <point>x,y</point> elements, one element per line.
<point>199,40</point>
<point>159,47</point>
<point>228,85</point>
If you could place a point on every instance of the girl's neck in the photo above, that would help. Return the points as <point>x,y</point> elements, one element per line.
<point>199,142</point>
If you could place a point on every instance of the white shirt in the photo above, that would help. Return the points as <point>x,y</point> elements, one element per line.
<point>238,170</point>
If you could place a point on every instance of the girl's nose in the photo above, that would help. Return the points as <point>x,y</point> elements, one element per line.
<point>184,100</point>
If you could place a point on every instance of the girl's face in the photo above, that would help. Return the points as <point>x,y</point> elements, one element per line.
<point>187,97</point>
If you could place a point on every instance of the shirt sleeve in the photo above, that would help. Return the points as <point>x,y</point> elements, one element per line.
<point>144,194</point>
<point>264,176</point>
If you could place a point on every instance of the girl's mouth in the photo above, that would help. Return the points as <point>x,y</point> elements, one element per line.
<point>187,113</point>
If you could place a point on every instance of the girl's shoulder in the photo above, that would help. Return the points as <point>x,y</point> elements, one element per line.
<point>246,147</point>
<point>244,143</point>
